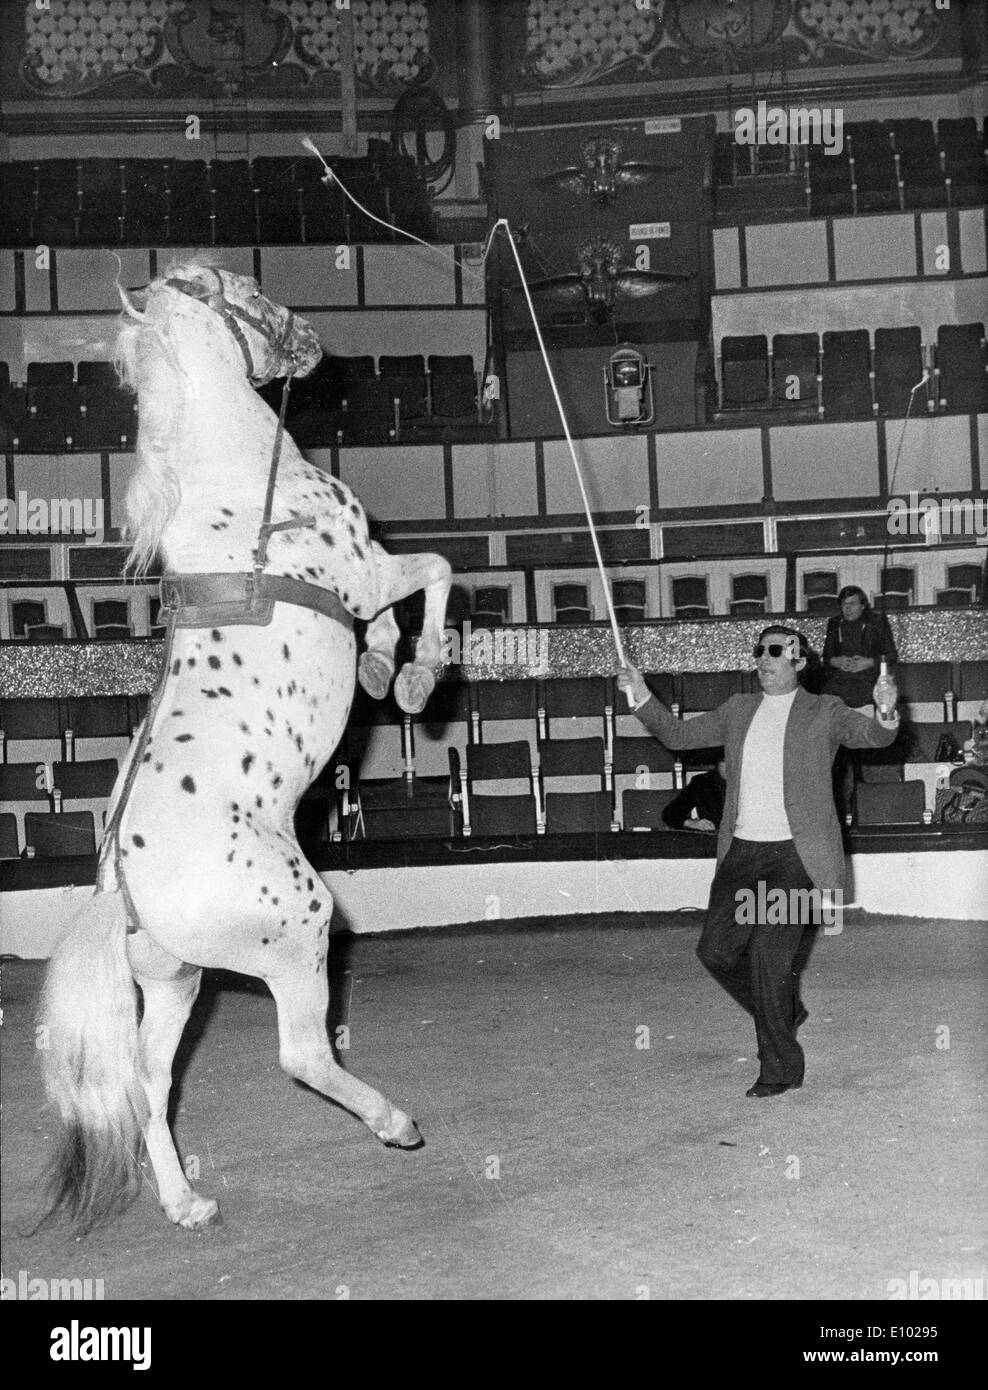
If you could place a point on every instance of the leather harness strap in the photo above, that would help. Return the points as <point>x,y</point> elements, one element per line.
<point>227,600</point>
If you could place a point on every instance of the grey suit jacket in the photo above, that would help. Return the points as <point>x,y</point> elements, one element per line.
<point>817,726</point>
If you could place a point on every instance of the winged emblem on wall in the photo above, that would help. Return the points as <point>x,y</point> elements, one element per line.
<point>601,280</point>
<point>601,174</point>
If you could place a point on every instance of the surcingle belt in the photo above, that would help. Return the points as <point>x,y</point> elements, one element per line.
<point>245,599</point>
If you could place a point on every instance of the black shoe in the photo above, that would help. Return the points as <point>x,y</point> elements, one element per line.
<point>769,1088</point>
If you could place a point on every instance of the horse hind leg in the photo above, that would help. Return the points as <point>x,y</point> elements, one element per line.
<point>399,576</point>
<point>301,995</point>
<point>169,987</point>
<point>376,667</point>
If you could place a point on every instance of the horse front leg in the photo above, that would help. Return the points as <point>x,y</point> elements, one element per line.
<point>376,667</point>
<point>399,576</point>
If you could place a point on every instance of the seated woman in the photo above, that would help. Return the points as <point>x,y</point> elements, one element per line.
<point>857,640</point>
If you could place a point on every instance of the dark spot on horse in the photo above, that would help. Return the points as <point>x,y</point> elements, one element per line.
<point>146,758</point>
<point>357,551</point>
<point>188,785</point>
<point>210,694</point>
<point>216,635</point>
<point>315,905</point>
<point>191,663</point>
<point>274,902</point>
<point>285,652</point>
<point>247,762</point>
<point>328,537</point>
<point>225,511</point>
<point>337,492</point>
<point>177,713</point>
<point>264,888</point>
<point>354,508</point>
<point>229,857</point>
<point>215,663</point>
<point>309,884</point>
<point>276,780</point>
<point>223,691</point>
<point>250,863</point>
<point>184,738</point>
<point>176,666</point>
<point>159,767</point>
<point>138,841</point>
<point>352,529</point>
<point>259,802</point>
<point>265,941</point>
<point>244,729</point>
<point>237,659</point>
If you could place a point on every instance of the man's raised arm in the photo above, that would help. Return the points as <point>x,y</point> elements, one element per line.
<point>705,731</point>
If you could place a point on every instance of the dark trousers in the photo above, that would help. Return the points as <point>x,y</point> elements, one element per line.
<point>759,963</point>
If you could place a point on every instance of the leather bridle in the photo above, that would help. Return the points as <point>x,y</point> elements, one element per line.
<point>233,315</point>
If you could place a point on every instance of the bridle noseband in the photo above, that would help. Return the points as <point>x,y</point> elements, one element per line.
<point>230,314</point>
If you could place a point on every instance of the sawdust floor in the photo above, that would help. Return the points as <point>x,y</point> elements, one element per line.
<point>562,1160</point>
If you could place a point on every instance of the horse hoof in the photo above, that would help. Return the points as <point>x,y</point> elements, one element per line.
<point>407,1137</point>
<point>413,686</point>
<point>201,1212</point>
<point>375,673</point>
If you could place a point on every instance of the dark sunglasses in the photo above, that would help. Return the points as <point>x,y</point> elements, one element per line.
<point>773,649</point>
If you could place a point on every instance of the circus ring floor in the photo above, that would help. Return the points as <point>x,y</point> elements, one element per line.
<point>562,1160</point>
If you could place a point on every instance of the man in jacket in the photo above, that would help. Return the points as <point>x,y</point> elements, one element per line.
<point>779,831</point>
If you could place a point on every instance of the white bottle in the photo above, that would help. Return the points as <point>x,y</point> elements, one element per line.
<point>886,692</point>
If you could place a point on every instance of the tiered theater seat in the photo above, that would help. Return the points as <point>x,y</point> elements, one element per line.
<point>830,181</point>
<point>962,368</point>
<point>847,387</point>
<point>898,367</point>
<point>60,835</point>
<point>890,803</point>
<point>189,203</point>
<point>963,157</point>
<point>690,598</point>
<point>233,213</point>
<point>498,790</point>
<point>796,370</point>
<point>744,372</point>
<point>918,164</point>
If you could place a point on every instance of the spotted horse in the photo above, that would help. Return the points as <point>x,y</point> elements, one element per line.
<point>267,564</point>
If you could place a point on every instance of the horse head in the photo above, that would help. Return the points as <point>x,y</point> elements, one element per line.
<point>273,340</point>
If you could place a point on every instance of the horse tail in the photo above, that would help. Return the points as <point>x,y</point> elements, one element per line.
<point>92,1070</point>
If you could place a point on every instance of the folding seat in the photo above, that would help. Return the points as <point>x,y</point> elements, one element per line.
<point>568,813</point>
<point>577,707</point>
<point>453,387</point>
<point>9,848</point>
<point>57,201</point>
<point>498,790</point>
<point>690,598</point>
<point>935,741</point>
<point>744,371</point>
<point>898,367</point>
<point>706,690</point>
<point>922,688</point>
<point>640,763</point>
<point>749,595</point>
<point>628,596</point>
<point>959,133</point>
<point>963,157</point>
<point>367,416</point>
<point>279,204</point>
<point>84,786</point>
<point>59,376</point>
<point>961,376</point>
<point>883,764</point>
<point>796,370</point>
<point>898,586</point>
<point>17,206</point>
<point>324,217</point>
<point>918,162</point>
<point>30,731</point>
<point>847,386</point>
<point>46,632</point>
<point>98,727</point>
<point>820,589</point>
<point>890,803</point>
<point>20,793</point>
<point>642,810</point>
<point>443,724</point>
<point>573,765</point>
<point>504,712</point>
<point>111,620</point>
<point>233,212</point>
<point>952,598</point>
<point>405,382</point>
<point>322,388</point>
<point>491,606</point>
<point>867,139</point>
<point>101,206</point>
<point>571,604</point>
<point>25,614</point>
<point>967,576</point>
<point>876,183</point>
<point>912,138</point>
<point>374,197</point>
<point>972,688</point>
<point>831,191</point>
<point>62,835</point>
<point>188,222</point>
<point>145,202</point>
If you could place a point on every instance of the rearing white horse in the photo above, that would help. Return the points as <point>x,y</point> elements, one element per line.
<point>270,561</point>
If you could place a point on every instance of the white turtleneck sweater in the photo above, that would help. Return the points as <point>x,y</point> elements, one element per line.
<point>761,804</point>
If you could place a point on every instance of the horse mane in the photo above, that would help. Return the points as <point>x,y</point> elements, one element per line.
<point>147,363</point>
